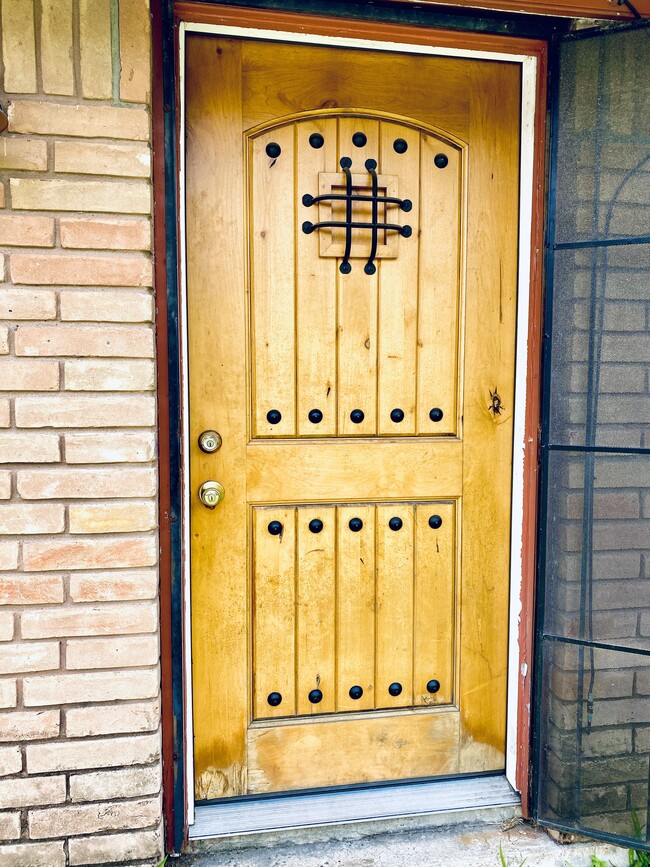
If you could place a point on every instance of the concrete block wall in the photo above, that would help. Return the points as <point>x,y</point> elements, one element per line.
<point>80,767</point>
<point>596,776</point>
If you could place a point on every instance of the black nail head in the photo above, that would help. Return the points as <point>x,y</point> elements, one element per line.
<point>345,267</point>
<point>435,521</point>
<point>308,200</point>
<point>345,162</point>
<point>400,146</point>
<point>433,686</point>
<point>357,416</point>
<point>355,692</point>
<point>395,523</point>
<point>397,415</point>
<point>436,414</point>
<point>395,689</point>
<point>406,205</point>
<point>370,165</point>
<point>316,525</point>
<point>275,528</point>
<point>406,231</point>
<point>359,139</point>
<point>441,160</point>
<point>355,524</point>
<point>316,140</point>
<point>315,416</point>
<point>315,696</point>
<point>274,699</point>
<point>274,416</point>
<point>273,150</point>
<point>369,268</point>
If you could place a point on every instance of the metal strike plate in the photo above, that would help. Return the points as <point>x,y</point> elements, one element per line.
<point>210,441</point>
<point>211,494</point>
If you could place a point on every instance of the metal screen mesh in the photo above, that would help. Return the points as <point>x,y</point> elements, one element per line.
<point>593,672</point>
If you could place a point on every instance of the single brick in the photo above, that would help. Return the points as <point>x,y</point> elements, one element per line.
<point>78,755</point>
<point>106,306</point>
<point>89,553</point>
<point>97,686</point>
<point>29,725</point>
<point>108,586</point>
<point>95,49</point>
<point>19,230</point>
<point>135,51</point>
<point>117,197</point>
<point>18,519</point>
<point>108,234</point>
<point>20,448</point>
<point>23,154</point>
<point>9,828</point>
<point>72,410</point>
<point>8,556</point>
<point>120,159</point>
<point>107,341</point>
<point>123,652</point>
<point>75,483</point>
<point>64,821</point>
<point>98,375</point>
<point>27,304</point>
<point>11,762</point>
<point>19,589</point>
<point>106,785</point>
<point>83,269</point>
<point>5,484</point>
<point>8,693</point>
<point>33,854</point>
<point>4,339</point>
<point>92,620</point>
<point>6,624</point>
<point>19,46</point>
<point>133,846</point>
<point>30,791</point>
<point>86,121</point>
<point>56,47</point>
<point>128,717</point>
<point>29,656</point>
<point>4,413</point>
<point>110,447</point>
<point>125,517</point>
<point>23,374</point>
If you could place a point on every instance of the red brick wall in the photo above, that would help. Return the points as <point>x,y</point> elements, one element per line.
<point>79,676</point>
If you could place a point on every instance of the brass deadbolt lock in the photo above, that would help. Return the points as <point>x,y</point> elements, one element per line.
<point>211,494</point>
<point>210,441</point>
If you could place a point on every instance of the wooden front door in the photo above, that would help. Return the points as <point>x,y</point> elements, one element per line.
<point>351,271</point>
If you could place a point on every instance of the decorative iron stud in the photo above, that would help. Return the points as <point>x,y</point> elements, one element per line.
<point>275,528</point>
<point>435,522</point>
<point>274,416</point>
<point>436,414</point>
<point>355,692</point>
<point>274,699</point>
<point>315,696</point>
<point>433,686</point>
<point>316,525</point>
<point>395,523</point>
<point>395,689</point>
<point>355,524</point>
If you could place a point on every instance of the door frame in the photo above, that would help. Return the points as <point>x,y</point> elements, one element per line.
<point>531,56</point>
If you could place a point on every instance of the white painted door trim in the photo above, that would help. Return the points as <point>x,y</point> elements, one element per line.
<point>529,73</point>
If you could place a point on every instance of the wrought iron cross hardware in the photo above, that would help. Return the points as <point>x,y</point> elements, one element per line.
<point>349,224</point>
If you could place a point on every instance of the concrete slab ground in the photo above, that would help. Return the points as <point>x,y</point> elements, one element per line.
<point>468,845</point>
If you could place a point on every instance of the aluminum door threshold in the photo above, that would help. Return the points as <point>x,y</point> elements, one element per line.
<point>316,809</point>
